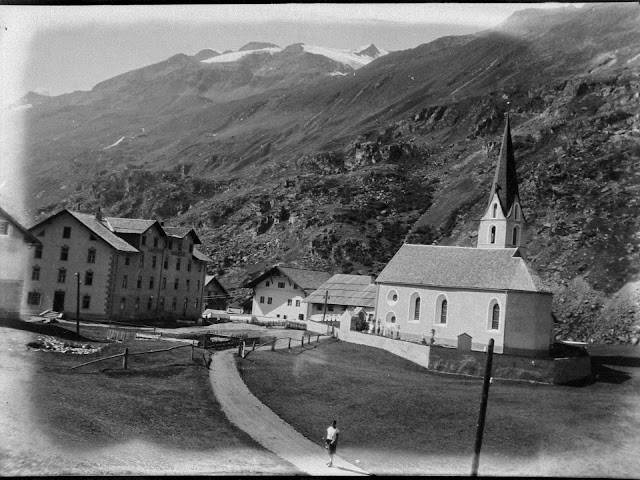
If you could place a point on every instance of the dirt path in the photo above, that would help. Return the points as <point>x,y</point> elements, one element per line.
<point>269,430</point>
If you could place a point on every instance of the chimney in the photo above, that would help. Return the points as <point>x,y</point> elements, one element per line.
<point>99,216</point>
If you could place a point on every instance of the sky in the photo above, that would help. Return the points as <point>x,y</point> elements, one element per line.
<point>60,49</point>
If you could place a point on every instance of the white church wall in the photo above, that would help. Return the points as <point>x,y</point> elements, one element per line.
<point>467,312</point>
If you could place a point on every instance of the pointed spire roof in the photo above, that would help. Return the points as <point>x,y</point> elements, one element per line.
<point>505,182</point>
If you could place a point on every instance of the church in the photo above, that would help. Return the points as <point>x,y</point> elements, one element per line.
<point>462,297</point>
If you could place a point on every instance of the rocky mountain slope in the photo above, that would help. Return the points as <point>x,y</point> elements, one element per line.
<point>294,157</point>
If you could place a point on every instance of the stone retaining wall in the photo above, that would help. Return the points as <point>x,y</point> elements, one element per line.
<point>450,360</point>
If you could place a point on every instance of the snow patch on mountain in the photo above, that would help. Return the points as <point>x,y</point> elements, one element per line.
<point>114,144</point>
<point>355,58</point>
<point>235,56</point>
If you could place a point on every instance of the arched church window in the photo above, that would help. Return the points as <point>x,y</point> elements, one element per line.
<point>493,234</point>
<point>416,309</point>
<point>515,235</point>
<point>495,317</point>
<point>443,311</point>
<point>495,209</point>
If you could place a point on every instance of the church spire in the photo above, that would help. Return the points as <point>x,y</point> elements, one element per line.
<point>505,181</point>
<point>503,223</point>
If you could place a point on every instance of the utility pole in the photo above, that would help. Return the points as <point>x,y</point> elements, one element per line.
<point>483,410</point>
<point>324,313</point>
<point>78,305</point>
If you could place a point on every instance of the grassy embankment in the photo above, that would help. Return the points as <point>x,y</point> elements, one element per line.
<point>397,417</point>
<point>162,399</point>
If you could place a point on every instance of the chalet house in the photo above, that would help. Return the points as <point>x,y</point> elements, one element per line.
<point>122,269</point>
<point>216,296</point>
<point>280,291</point>
<point>342,293</point>
<point>16,245</point>
<point>462,297</point>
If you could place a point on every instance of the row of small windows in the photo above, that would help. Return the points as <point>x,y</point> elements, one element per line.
<point>66,233</point>
<point>154,263</point>
<point>161,303</point>
<point>35,297</point>
<point>442,310</point>
<point>64,253</point>
<point>289,301</point>
<point>4,228</point>
<point>280,285</point>
<point>514,235</point>
<point>176,283</point>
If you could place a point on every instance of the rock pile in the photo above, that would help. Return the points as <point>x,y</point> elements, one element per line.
<point>51,344</point>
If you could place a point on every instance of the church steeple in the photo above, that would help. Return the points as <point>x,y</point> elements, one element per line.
<point>505,181</point>
<point>502,225</point>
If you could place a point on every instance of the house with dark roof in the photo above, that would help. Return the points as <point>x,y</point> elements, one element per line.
<point>463,297</point>
<point>16,245</point>
<point>279,292</point>
<point>123,269</point>
<point>216,296</point>
<point>342,293</point>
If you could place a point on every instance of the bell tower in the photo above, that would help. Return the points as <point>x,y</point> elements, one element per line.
<point>503,223</point>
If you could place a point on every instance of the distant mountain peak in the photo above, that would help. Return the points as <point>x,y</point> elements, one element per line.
<point>205,54</point>
<point>370,51</point>
<point>257,46</point>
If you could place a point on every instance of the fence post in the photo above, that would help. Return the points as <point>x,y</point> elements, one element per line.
<point>239,349</point>
<point>318,339</point>
<point>273,346</point>
<point>125,358</point>
<point>302,340</point>
<point>243,347</point>
<point>289,343</point>
<point>192,348</point>
<point>254,346</point>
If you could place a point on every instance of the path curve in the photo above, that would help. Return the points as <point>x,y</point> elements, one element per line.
<point>248,413</point>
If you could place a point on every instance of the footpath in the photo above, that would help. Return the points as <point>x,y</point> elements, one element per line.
<point>247,412</point>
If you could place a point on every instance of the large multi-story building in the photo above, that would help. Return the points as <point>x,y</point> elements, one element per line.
<point>121,269</point>
<point>16,244</point>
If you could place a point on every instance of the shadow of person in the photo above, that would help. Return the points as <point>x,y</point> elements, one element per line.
<point>352,471</point>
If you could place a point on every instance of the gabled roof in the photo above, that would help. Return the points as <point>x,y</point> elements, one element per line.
<point>95,226</point>
<point>198,255</point>
<point>307,280</point>
<point>212,279</point>
<point>505,181</point>
<point>350,290</point>
<point>130,225</point>
<point>181,232</point>
<point>461,267</point>
<point>28,236</point>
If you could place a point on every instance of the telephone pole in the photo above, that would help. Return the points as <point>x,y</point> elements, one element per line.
<point>324,313</point>
<point>78,305</point>
<point>483,410</point>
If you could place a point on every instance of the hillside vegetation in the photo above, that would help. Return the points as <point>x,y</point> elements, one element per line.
<point>337,171</point>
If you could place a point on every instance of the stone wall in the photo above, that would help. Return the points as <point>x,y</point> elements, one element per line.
<point>451,360</point>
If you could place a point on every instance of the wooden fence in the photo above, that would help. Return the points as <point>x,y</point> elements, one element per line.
<point>126,354</point>
<point>244,354</point>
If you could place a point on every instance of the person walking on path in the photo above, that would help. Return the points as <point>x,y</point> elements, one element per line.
<point>332,441</point>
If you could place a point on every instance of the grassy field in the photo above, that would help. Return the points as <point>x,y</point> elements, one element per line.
<point>158,416</point>
<point>396,417</point>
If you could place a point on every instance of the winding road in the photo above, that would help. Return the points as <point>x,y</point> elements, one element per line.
<point>247,412</point>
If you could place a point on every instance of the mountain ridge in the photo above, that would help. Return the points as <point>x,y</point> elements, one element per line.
<point>330,171</point>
